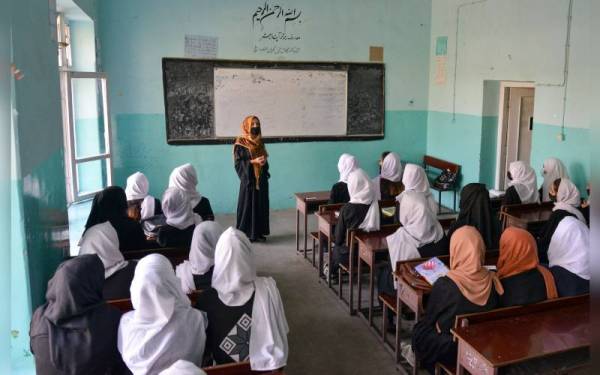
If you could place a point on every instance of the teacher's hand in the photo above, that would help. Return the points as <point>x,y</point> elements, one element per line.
<point>259,160</point>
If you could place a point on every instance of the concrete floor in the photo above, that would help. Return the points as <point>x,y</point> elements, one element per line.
<point>323,338</point>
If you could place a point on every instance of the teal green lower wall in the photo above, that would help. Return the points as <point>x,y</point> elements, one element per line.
<point>139,142</point>
<point>574,151</point>
<point>471,141</point>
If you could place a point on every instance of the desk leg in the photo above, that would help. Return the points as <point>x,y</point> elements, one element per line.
<point>359,287</point>
<point>351,281</point>
<point>305,234</point>
<point>371,289</point>
<point>398,327</point>
<point>329,258</point>
<point>298,230</point>
<point>320,256</point>
<point>439,202</point>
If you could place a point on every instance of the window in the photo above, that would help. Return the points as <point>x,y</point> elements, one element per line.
<point>88,158</point>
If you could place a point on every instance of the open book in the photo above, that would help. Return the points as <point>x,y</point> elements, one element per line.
<point>432,270</point>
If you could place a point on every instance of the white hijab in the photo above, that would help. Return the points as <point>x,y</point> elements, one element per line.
<point>177,209</point>
<point>137,188</point>
<point>346,165</point>
<point>524,181</point>
<point>553,169</point>
<point>570,247</point>
<point>182,367</point>
<point>102,240</point>
<point>164,327</point>
<point>362,191</point>
<point>391,170</point>
<point>185,178</point>
<point>234,279</point>
<point>202,254</point>
<point>415,179</point>
<point>419,227</point>
<point>568,198</point>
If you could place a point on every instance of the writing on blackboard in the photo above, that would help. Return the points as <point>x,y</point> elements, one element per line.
<point>277,12</point>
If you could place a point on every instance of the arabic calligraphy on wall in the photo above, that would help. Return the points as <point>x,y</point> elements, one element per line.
<point>276,29</point>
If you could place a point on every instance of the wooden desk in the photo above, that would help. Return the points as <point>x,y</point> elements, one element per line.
<point>326,221</point>
<point>492,340</point>
<point>242,368</point>
<point>307,203</point>
<point>370,247</point>
<point>530,217</point>
<point>176,255</point>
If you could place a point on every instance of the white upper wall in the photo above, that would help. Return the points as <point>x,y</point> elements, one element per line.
<point>516,40</point>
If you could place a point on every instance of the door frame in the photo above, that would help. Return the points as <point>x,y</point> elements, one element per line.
<point>505,86</point>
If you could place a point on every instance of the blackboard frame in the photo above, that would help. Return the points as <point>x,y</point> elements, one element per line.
<point>264,64</point>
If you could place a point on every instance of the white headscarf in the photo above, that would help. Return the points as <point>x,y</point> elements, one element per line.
<point>102,240</point>
<point>177,209</point>
<point>361,191</point>
<point>415,179</point>
<point>570,247</point>
<point>202,254</point>
<point>553,169</point>
<point>391,170</point>
<point>182,367</point>
<point>524,181</point>
<point>346,165</point>
<point>164,327</point>
<point>419,227</point>
<point>568,198</point>
<point>137,188</point>
<point>185,178</point>
<point>234,278</point>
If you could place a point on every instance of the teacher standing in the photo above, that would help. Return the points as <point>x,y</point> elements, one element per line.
<point>251,165</point>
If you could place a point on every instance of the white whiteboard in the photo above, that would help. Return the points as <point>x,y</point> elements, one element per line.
<point>287,102</point>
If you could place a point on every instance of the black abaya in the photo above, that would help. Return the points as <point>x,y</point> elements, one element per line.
<point>339,193</point>
<point>569,284</point>
<point>511,197</point>
<point>523,289</point>
<point>253,203</point>
<point>350,217</point>
<point>547,231</point>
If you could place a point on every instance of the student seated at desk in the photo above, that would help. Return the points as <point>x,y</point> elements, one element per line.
<point>163,327</point>
<point>75,331</point>
<point>362,211</point>
<point>475,210</point>
<point>140,205</point>
<point>420,235</point>
<point>185,179</point>
<point>389,182</point>
<point>568,257</point>
<point>339,191</point>
<point>522,185</point>
<point>552,170</point>
<point>246,320</point>
<point>110,205</point>
<point>524,280</point>
<point>467,288</point>
<point>415,179</point>
<point>566,203</point>
<point>196,273</point>
<point>102,240</point>
<point>180,220</point>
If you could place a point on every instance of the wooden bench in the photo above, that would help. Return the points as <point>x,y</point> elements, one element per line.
<point>326,218</point>
<point>442,165</point>
<point>242,368</point>
<point>307,203</point>
<point>125,304</point>
<point>529,216</point>
<point>314,236</point>
<point>176,255</point>
<point>504,337</point>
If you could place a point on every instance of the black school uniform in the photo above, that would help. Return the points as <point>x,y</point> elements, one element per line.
<point>118,284</point>
<point>339,193</point>
<point>547,231</point>
<point>204,281</point>
<point>523,289</point>
<point>204,209</point>
<point>445,303</point>
<point>229,328</point>
<point>169,236</point>
<point>511,197</point>
<point>351,216</point>
<point>569,284</point>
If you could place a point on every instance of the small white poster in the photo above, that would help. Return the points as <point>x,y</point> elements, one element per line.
<point>199,46</point>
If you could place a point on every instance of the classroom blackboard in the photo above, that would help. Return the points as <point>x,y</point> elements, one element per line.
<point>189,95</point>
